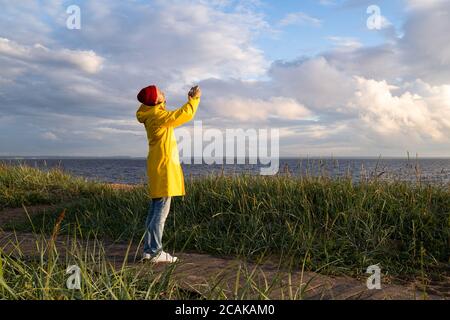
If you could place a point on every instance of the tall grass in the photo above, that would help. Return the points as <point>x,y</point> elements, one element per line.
<point>43,275</point>
<point>334,225</point>
<point>24,185</point>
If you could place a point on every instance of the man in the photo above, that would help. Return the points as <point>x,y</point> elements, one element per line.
<point>164,171</point>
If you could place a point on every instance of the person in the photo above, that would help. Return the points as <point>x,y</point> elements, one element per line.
<point>164,171</point>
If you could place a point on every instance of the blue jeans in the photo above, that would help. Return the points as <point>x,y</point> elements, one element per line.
<point>157,214</point>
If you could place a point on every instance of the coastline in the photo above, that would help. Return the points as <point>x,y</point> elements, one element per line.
<point>333,227</point>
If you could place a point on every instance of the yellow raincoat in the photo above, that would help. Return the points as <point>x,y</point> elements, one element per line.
<point>163,165</point>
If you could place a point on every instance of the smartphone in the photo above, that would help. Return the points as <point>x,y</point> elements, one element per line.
<point>193,91</point>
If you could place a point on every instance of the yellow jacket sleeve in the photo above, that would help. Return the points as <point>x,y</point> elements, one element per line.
<point>178,117</point>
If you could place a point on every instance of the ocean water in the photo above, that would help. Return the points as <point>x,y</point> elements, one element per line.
<point>133,171</point>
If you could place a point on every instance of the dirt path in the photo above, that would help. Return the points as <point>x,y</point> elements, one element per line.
<point>17,215</point>
<point>200,272</point>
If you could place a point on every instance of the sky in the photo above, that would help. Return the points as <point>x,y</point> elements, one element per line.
<point>312,69</point>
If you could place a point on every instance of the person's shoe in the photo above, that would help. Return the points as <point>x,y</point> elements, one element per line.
<point>162,256</point>
<point>146,257</point>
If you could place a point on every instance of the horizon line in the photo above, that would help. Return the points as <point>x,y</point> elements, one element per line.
<point>18,157</point>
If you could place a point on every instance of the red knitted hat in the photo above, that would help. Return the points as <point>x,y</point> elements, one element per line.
<point>148,96</point>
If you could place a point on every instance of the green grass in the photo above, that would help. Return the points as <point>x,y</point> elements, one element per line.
<point>24,185</point>
<point>333,225</point>
<point>44,276</point>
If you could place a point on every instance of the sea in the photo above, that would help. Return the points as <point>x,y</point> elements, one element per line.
<point>133,170</point>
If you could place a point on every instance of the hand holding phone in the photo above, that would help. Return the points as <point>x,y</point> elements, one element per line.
<point>195,92</point>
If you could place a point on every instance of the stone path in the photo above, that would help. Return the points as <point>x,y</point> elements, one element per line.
<point>203,273</point>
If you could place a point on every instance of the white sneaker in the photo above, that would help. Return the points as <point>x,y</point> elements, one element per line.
<point>161,257</point>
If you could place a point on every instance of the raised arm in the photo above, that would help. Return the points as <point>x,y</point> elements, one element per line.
<point>178,117</point>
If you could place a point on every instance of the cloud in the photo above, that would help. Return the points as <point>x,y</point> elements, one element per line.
<point>49,136</point>
<point>408,114</point>
<point>425,48</point>
<point>384,23</point>
<point>73,92</point>
<point>175,42</point>
<point>260,110</point>
<point>299,18</point>
<point>88,61</point>
<point>345,43</point>
<point>315,82</point>
<point>184,42</point>
<point>424,4</point>
<point>369,100</point>
<point>71,81</point>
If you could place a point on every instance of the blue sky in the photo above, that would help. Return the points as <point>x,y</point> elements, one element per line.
<point>338,19</point>
<point>311,69</point>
